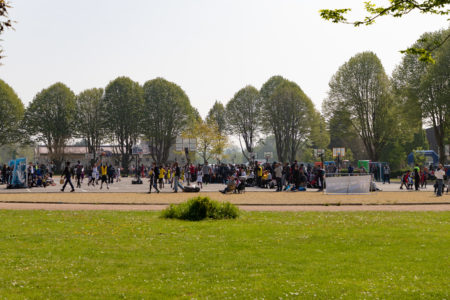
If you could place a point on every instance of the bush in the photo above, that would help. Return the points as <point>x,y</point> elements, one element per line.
<point>200,208</point>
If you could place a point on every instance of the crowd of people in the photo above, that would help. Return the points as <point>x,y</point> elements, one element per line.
<point>279,176</point>
<point>286,176</point>
<point>418,178</point>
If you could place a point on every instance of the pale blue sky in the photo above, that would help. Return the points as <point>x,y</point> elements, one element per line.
<point>210,48</point>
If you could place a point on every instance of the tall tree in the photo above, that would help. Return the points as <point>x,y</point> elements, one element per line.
<point>49,118</point>
<point>167,112</point>
<point>123,107</point>
<point>91,122</point>
<point>217,116</point>
<point>424,89</point>
<point>243,114</point>
<point>288,115</point>
<point>11,114</point>
<point>361,87</point>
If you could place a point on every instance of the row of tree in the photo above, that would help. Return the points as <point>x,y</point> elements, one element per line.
<point>121,114</point>
<point>383,118</point>
<point>372,115</point>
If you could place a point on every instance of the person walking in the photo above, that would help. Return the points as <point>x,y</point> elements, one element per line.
<point>67,175</point>
<point>154,173</point>
<point>177,175</point>
<point>78,171</point>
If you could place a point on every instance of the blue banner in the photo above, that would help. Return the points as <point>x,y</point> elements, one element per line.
<point>19,176</point>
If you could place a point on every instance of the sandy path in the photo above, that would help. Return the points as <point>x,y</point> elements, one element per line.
<point>140,207</point>
<point>251,198</point>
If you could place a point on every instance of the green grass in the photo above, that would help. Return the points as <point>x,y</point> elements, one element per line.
<point>113,255</point>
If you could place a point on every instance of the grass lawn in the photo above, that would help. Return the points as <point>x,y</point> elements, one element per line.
<point>110,255</point>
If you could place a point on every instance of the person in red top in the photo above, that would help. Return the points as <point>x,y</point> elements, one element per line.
<point>193,172</point>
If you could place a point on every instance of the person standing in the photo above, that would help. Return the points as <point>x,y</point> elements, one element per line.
<point>67,175</point>
<point>104,173</point>
<point>439,174</point>
<point>387,172</point>
<point>200,178</point>
<point>416,177</point>
<point>278,174</point>
<point>206,172</point>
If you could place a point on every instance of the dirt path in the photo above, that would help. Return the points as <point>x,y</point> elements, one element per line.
<point>150,207</point>
<point>250,198</point>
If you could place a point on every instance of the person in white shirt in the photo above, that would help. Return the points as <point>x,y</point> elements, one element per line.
<point>439,174</point>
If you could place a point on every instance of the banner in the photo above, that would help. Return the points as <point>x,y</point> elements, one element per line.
<point>348,184</point>
<point>19,176</point>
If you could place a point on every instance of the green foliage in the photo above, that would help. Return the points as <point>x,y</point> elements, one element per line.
<point>397,8</point>
<point>167,112</point>
<point>91,118</point>
<point>11,114</point>
<point>288,115</point>
<point>200,208</point>
<point>425,89</point>
<point>5,21</point>
<point>50,118</point>
<point>419,157</point>
<point>123,108</point>
<point>360,88</point>
<point>217,116</point>
<point>243,114</point>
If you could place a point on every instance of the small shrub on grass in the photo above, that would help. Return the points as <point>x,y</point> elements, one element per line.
<point>200,208</point>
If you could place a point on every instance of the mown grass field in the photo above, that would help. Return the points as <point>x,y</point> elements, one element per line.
<point>114,255</point>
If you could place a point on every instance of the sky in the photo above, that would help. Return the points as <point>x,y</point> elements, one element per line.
<point>210,48</point>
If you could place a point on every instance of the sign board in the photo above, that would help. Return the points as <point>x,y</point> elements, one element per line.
<point>182,143</point>
<point>268,155</point>
<point>89,155</point>
<point>318,152</point>
<point>136,150</point>
<point>338,152</point>
<point>253,155</point>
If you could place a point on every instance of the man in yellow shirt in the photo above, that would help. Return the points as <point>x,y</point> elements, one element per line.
<point>162,172</point>
<point>104,173</point>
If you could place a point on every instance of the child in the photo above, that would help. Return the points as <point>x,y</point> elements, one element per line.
<point>199,178</point>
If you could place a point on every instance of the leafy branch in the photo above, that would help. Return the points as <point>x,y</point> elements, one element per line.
<point>396,9</point>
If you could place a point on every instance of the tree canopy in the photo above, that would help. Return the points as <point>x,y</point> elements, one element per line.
<point>91,118</point>
<point>50,118</point>
<point>243,113</point>
<point>288,115</point>
<point>361,88</point>
<point>123,108</point>
<point>167,111</point>
<point>11,114</point>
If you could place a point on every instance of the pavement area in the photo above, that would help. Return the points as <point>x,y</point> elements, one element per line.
<point>125,186</point>
<point>126,196</point>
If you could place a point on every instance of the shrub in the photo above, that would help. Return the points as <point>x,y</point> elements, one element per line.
<point>200,208</point>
